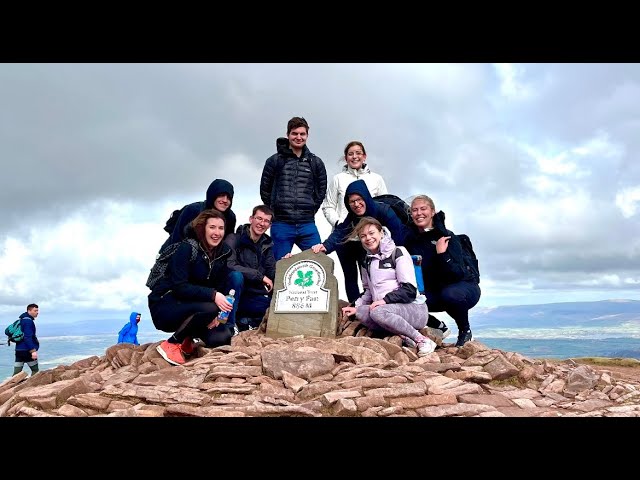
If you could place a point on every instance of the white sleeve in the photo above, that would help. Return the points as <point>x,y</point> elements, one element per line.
<point>330,204</point>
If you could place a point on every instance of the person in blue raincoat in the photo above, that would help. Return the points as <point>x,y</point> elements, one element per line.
<point>129,333</point>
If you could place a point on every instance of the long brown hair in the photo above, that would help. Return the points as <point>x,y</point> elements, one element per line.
<point>199,223</point>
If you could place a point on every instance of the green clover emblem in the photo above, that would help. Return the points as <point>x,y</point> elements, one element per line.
<point>304,279</point>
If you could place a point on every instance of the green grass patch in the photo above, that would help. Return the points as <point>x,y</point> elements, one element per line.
<point>605,361</point>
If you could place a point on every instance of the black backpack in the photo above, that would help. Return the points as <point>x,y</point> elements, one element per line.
<point>162,260</point>
<point>469,256</point>
<point>173,218</point>
<point>399,206</point>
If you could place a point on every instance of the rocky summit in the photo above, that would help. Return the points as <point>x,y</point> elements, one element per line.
<point>351,375</point>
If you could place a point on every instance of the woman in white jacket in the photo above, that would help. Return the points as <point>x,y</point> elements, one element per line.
<point>335,211</point>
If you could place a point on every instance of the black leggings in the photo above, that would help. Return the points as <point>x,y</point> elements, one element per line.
<point>189,319</point>
<point>456,299</point>
<point>350,253</point>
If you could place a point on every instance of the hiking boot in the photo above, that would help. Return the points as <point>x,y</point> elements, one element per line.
<point>171,352</point>
<point>407,342</point>
<point>188,346</point>
<point>464,336</point>
<point>426,346</point>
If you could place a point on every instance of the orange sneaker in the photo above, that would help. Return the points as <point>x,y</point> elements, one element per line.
<point>171,352</point>
<point>187,346</point>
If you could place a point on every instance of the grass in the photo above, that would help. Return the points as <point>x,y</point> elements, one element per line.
<point>605,361</point>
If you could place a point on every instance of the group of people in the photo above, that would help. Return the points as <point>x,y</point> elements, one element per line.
<point>214,257</point>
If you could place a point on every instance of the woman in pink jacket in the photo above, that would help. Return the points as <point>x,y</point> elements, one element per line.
<point>390,300</point>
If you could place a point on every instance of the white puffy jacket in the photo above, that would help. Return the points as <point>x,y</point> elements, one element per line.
<point>333,207</point>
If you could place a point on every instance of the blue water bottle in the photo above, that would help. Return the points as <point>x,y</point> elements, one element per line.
<point>224,316</point>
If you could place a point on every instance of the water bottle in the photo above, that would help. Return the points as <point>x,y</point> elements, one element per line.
<point>224,316</point>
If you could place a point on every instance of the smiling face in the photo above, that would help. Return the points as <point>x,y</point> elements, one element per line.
<point>370,238</point>
<point>222,202</point>
<point>357,205</point>
<point>297,138</point>
<point>355,156</point>
<point>422,213</point>
<point>214,232</point>
<point>258,224</point>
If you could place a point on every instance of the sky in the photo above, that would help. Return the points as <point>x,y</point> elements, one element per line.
<point>537,163</point>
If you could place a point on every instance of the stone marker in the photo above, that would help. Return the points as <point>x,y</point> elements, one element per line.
<point>305,299</point>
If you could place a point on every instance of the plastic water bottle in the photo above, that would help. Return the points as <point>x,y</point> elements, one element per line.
<point>224,316</point>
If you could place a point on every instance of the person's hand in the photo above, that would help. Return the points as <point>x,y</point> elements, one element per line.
<point>442,244</point>
<point>287,255</point>
<point>34,355</point>
<point>222,303</point>
<point>376,304</point>
<point>318,248</point>
<point>348,311</point>
<point>268,284</point>
<point>214,323</point>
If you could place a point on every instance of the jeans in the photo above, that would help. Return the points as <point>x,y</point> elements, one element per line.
<point>285,235</point>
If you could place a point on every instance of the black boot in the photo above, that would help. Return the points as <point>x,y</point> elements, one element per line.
<point>464,336</point>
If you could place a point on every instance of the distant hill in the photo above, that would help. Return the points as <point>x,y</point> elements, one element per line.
<point>605,313</point>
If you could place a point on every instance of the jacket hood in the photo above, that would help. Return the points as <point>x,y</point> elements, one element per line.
<point>387,245</point>
<point>26,315</point>
<point>360,187</point>
<point>438,223</point>
<point>132,318</point>
<point>216,188</point>
<point>282,147</point>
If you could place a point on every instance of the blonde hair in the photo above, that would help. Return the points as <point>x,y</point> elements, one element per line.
<point>424,198</point>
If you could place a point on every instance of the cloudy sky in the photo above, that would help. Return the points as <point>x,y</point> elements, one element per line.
<point>538,163</point>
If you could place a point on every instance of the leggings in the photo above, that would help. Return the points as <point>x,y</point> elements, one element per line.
<point>456,299</point>
<point>189,319</point>
<point>398,318</point>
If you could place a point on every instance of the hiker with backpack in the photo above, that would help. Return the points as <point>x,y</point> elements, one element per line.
<point>450,277</point>
<point>359,202</point>
<point>335,210</point>
<point>390,300</point>
<point>27,348</point>
<point>188,297</point>
<point>293,184</point>
<point>219,197</point>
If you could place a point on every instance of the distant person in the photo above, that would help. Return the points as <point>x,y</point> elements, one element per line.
<point>449,286</point>
<point>129,333</point>
<point>191,294</point>
<point>390,300</point>
<point>255,260</point>
<point>27,348</point>
<point>293,185</point>
<point>335,209</point>
<point>359,203</point>
<point>219,197</point>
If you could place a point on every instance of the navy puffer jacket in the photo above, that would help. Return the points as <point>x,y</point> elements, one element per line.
<point>294,188</point>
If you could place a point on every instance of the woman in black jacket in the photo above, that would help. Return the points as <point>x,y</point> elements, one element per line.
<point>191,294</point>
<point>449,285</point>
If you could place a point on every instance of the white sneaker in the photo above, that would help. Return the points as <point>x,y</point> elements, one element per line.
<point>426,347</point>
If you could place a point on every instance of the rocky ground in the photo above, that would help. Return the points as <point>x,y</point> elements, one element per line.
<point>352,375</point>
